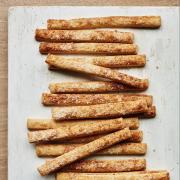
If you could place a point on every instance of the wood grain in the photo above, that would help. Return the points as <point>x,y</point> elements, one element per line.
<point>4,5</point>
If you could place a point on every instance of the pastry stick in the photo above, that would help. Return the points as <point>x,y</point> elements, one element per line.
<point>48,150</point>
<point>135,175</point>
<point>42,124</point>
<point>84,151</point>
<point>88,48</point>
<point>105,61</point>
<point>108,110</point>
<point>106,22</point>
<point>102,166</point>
<point>102,36</point>
<point>99,71</point>
<point>90,99</point>
<point>136,137</point>
<point>91,87</point>
<point>65,133</point>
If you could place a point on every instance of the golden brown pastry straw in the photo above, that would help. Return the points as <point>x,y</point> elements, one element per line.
<point>84,151</point>
<point>91,87</point>
<point>102,166</point>
<point>102,36</point>
<point>108,110</point>
<point>135,175</point>
<point>48,150</point>
<point>121,61</point>
<point>90,99</point>
<point>88,48</point>
<point>42,124</point>
<point>65,133</point>
<point>106,22</point>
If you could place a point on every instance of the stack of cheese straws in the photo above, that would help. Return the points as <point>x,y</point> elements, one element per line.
<point>87,119</point>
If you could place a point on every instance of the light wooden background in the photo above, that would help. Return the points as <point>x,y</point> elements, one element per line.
<point>4,5</point>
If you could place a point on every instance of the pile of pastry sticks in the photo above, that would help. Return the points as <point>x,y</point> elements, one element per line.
<point>87,119</point>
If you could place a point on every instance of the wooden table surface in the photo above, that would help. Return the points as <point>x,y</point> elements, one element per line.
<point>4,5</point>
